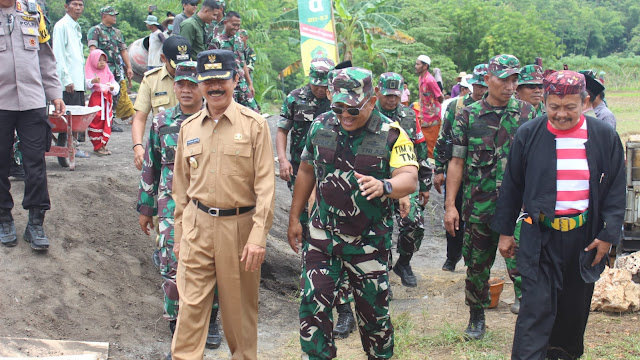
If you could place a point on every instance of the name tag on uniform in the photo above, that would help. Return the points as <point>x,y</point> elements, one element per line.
<point>193,141</point>
<point>160,93</point>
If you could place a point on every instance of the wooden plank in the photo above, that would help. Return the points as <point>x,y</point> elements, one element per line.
<point>24,348</point>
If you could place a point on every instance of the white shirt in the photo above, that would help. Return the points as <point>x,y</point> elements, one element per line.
<point>155,48</point>
<point>68,49</point>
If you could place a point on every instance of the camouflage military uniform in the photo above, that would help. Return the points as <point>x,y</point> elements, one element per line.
<point>241,94</point>
<point>482,137</point>
<point>348,232</point>
<point>111,41</point>
<point>298,111</point>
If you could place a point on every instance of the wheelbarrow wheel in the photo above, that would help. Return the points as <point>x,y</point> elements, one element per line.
<point>62,141</point>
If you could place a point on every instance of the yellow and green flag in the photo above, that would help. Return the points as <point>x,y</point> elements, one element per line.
<point>317,31</point>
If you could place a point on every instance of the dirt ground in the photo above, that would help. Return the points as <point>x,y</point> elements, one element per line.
<point>97,281</point>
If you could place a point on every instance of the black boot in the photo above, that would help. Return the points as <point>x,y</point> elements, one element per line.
<point>346,324</point>
<point>515,307</point>
<point>34,233</point>
<point>214,339</point>
<point>403,270</point>
<point>476,328</point>
<point>7,228</point>
<point>172,326</point>
<point>450,265</point>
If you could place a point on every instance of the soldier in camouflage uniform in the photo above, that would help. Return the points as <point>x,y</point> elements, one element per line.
<point>299,110</point>
<point>530,88</point>
<point>411,225</point>
<point>249,53</point>
<point>154,195</point>
<point>481,141</point>
<point>229,40</point>
<point>359,161</point>
<point>442,155</point>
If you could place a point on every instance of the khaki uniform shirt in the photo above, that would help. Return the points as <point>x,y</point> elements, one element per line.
<point>156,90</point>
<point>226,165</point>
<point>28,76</point>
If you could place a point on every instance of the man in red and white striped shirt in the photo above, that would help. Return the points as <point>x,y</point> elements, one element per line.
<point>566,170</point>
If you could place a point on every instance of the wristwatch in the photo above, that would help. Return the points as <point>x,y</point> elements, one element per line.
<point>387,188</point>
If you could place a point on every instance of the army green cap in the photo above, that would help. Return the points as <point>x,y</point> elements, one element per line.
<point>351,86</point>
<point>108,10</point>
<point>504,65</point>
<point>530,74</point>
<point>390,83</point>
<point>187,70</point>
<point>319,71</point>
<point>478,75</point>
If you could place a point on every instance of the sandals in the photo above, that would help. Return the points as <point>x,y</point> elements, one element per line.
<point>102,151</point>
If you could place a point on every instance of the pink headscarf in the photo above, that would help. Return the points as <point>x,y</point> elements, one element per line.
<point>91,68</point>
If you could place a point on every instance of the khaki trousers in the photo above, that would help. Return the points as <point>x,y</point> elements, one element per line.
<point>210,252</point>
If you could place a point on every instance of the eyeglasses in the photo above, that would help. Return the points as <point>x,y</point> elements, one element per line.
<point>350,110</point>
<point>533,86</point>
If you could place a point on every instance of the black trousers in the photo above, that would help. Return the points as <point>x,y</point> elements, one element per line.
<point>454,243</point>
<point>555,307</point>
<point>34,132</point>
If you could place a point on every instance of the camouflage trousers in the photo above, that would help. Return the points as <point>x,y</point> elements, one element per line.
<point>168,269</point>
<point>479,251</point>
<point>366,268</point>
<point>242,95</point>
<point>512,269</point>
<point>411,233</point>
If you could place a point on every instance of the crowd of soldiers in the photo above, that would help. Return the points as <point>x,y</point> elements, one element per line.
<point>358,158</point>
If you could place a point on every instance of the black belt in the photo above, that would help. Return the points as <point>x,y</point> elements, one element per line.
<point>222,212</point>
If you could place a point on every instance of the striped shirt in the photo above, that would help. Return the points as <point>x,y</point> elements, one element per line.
<point>572,180</point>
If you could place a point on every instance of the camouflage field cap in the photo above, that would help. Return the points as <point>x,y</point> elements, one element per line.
<point>319,71</point>
<point>243,32</point>
<point>108,10</point>
<point>564,82</point>
<point>351,86</point>
<point>478,75</point>
<point>504,65</point>
<point>390,83</point>
<point>530,74</point>
<point>187,70</point>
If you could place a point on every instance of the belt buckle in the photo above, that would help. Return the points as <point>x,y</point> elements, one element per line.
<point>213,211</point>
<point>564,224</point>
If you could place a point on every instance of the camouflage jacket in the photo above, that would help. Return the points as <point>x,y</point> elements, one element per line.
<point>154,194</point>
<point>482,136</point>
<point>407,119</point>
<point>299,110</point>
<point>442,149</point>
<point>111,41</point>
<point>224,42</point>
<point>376,150</point>
<point>541,110</point>
<point>250,56</point>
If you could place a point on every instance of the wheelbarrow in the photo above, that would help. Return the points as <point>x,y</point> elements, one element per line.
<point>76,119</point>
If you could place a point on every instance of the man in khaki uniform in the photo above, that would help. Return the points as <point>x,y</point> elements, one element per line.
<point>156,90</point>
<point>224,191</point>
